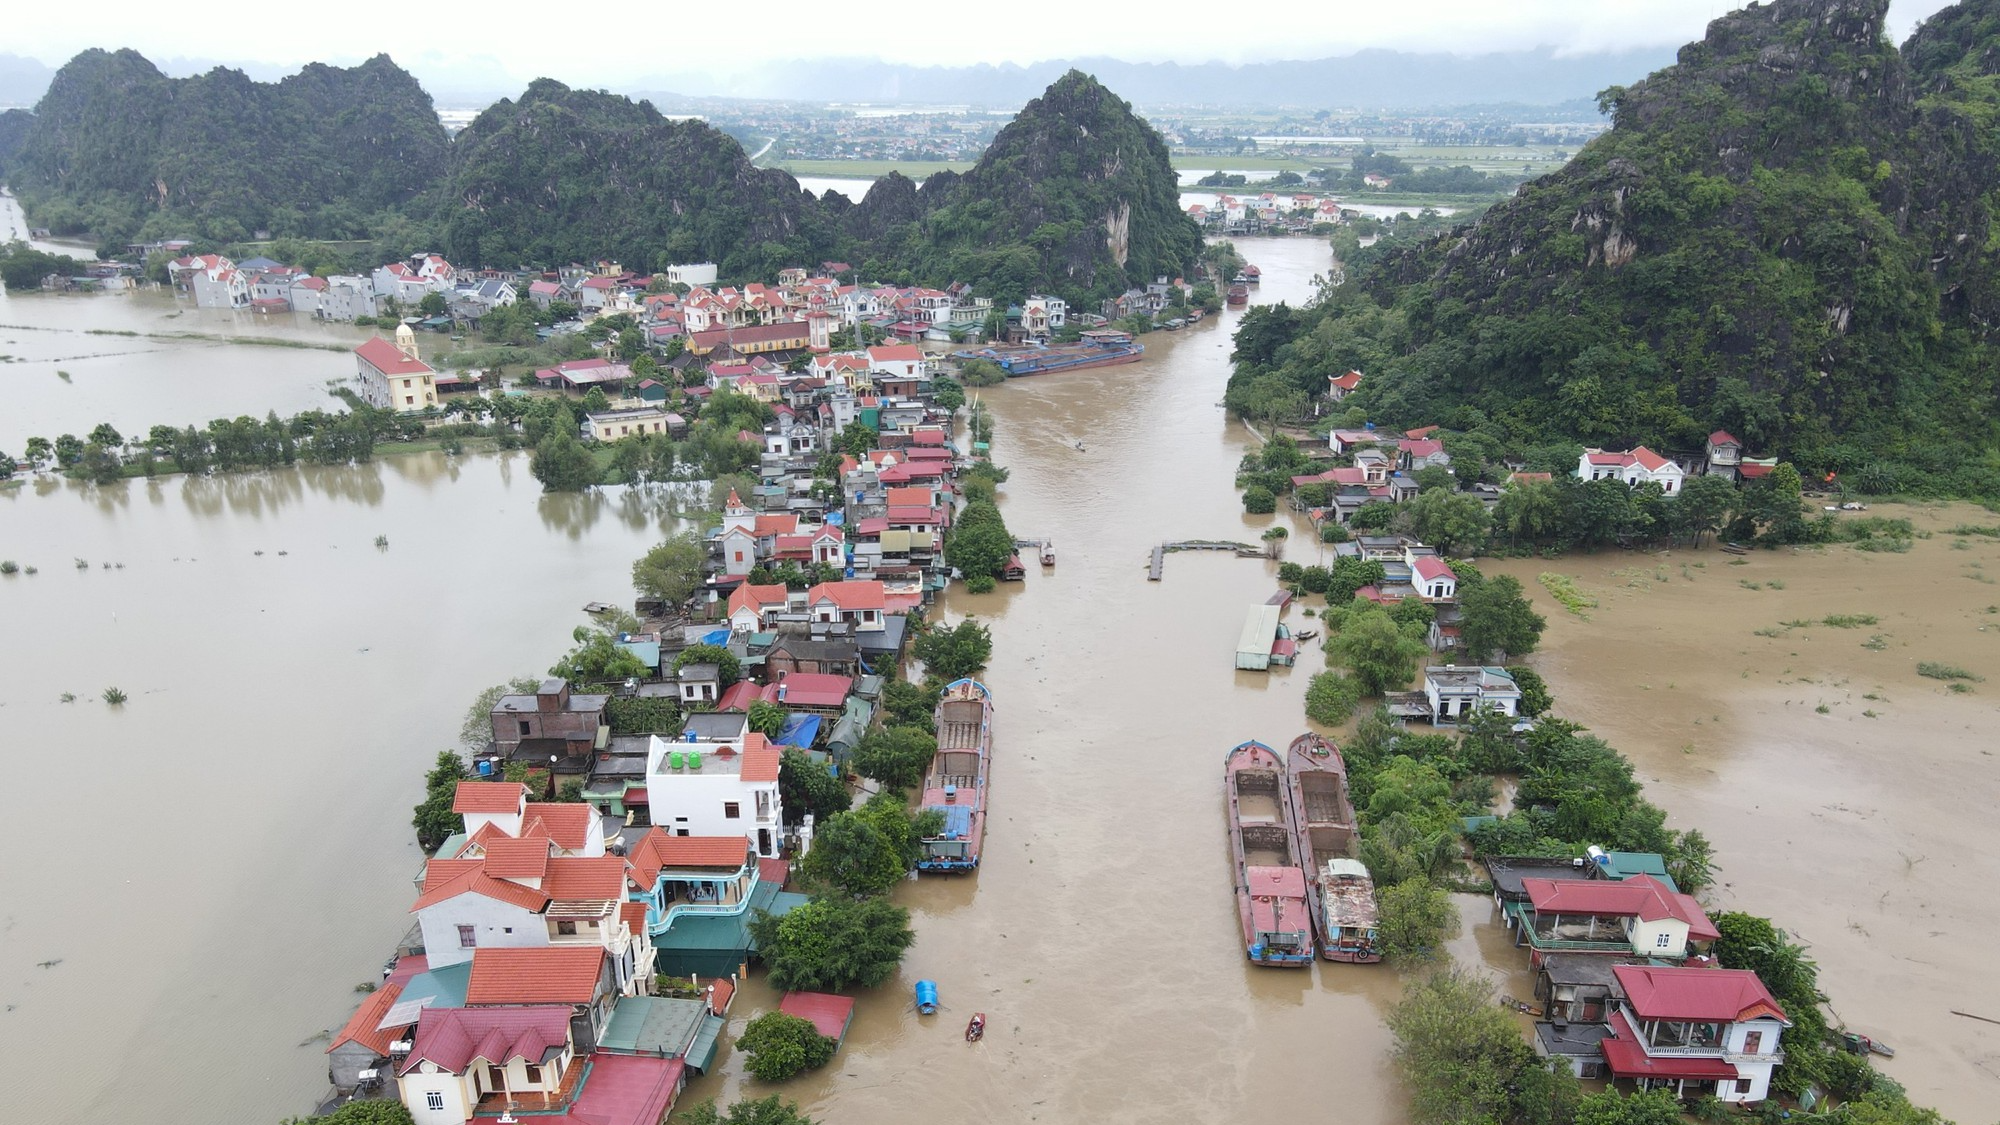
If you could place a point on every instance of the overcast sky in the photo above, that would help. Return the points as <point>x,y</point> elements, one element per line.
<point>595,46</point>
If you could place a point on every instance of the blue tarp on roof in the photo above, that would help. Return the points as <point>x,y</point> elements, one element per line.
<point>835,519</point>
<point>800,731</point>
<point>957,819</point>
<point>718,637</point>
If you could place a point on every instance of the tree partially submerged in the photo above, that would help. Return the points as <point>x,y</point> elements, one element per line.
<point>780,1045</point>
<point>833,943</point>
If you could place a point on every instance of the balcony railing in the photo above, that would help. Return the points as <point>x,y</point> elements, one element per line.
<point>693,909</point>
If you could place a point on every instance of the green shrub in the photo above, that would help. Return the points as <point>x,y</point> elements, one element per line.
<point>780,1045</point>
<point>980,584</point>
<point>1259,501</point>
<point>1563,589</point>
<point>1936,671</point>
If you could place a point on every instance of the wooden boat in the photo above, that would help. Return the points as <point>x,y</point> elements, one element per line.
<point>1253,274</point>
<point>1322,819</point>
<point>1048,552</point>
<point>1349,912</point>
<point>956,786</point>
<point>598,607</point>
<point>976,1028</point>
<point>1305,634</point>
<point>1238,295</point>
<point>1271,900</point>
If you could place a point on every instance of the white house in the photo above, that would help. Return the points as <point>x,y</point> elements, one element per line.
<point>1635,468</point>
<point>504,805</point>
<point>1694,1031</point>
<point>409,281</point>
<point>696,788</point>
<point>1639,916</point>
<point>859,602</point>
<point>1725,453</point>
<point>752,607</point>
<point>611,425</point>
<point>223,287</point>
<point>462,1056</point>
<point>1432,576</point>
<point>1456,692</point>
<point>692,274</point>
<point>896,361</point>
<point>347,296</point>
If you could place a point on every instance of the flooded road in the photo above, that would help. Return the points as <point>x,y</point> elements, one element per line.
<point>255,792</point>
<point>1100,936</point>
<point>214,866</point>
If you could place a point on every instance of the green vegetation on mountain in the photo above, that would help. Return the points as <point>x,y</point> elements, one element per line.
<point>564,175</point>
<point>122,151</point>
<point>1788,235</point>
<point>1076,196</point>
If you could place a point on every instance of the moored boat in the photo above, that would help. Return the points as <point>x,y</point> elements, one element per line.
<point>1322,820</point>
<point>1271,901</point>
<point>1349,896</point>
<point>1252,274</point>
<point>956,786</point>
<point>1238,295</point>
<point>1096,347</point>
<point>1048,552</point>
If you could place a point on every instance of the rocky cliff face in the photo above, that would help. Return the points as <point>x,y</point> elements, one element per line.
<point>115,143</point>
<point>1785,234</point>
<point>1076,195</point>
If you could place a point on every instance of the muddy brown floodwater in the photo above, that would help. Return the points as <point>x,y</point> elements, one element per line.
<point>218,863</point>
<point>1100,936</point>
<point>1849,798</point>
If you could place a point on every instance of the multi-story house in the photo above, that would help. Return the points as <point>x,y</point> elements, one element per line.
<point>1640,916</point>
<point>696,788</point>
<point>1694,1031</point>
<point>1637,467</point>
<point>552,722</point>
<point>391,376</point>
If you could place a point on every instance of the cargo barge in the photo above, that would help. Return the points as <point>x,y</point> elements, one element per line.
<point>1099,347</point>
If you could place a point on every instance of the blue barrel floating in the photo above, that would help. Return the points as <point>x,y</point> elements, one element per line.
<point>927,1001</point>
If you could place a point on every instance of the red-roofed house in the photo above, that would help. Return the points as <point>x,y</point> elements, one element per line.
<point>1422,453</point>
<point>1640,916</point>
<point>578,977</point>
<point>464,905</point>
<point>753,607</point>
<point>363,1043</point>
<point>1340,386</point>
<point>1434,579</point>
<point>1640,466</point>
<point>904,360</point>
<point>391,376</point>
<point>678,876</point>
<point>468,1061</point>
<point>1694,1031</point>
<point>859,602</point>
<point>815,692</point>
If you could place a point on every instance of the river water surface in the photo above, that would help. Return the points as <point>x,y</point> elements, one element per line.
<point>214,866</point>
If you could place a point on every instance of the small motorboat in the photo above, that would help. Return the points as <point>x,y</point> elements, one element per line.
<point>1305,634</point>
<point>1048,552</point>
<point>977,1028</point>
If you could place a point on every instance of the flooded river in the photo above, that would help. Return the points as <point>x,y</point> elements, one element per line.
<point>256,789</point>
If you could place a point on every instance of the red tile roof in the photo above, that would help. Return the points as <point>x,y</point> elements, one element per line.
<point>912,497</point>
<point>719,991</point>
<point>452,1038</point>
<point>1723,437</point>
<point>488,797</point>
<point>755,597</point>
<point>828,1013</point>
<point>446,879</point>
<point>1641,896</point>
<point>526,858</point>
<point>739,696</point>
<point>407,967</point>
<point>555,974</point>
<point>384,357</point>
<point>565,822</point>
<point>1421,447</point>
<point>1628,1059</point>
<point>579,878</point>
<point>634,916</point>
<point>809,689</point>
<point>775,524</point>
<point>1754,472</point>
<point>760,758</point>
<point>850,595</point>
<point>656,849</point>
<point>775,870</point>
<point>895,353</point>
<point>1696,994</point>
<point>1431,568</point>
<point>1649,460</point>
<point>361,1026</point>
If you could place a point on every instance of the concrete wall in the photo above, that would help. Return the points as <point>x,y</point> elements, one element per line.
<point>494,923</point>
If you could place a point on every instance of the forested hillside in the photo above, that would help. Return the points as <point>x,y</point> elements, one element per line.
<point>121,151</point>
<point>1787,234</point>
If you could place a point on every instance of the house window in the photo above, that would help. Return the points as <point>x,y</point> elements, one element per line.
<point>731,810</point>
<point>1753,1043</point>
<point>566,929</point>
<point>434,1101</point>
<point>1743,1085</point>
<point>495,1078</point>
<point>409,400</point>
<point>524,728</point>
<point>1663,941</point>
<point>466,940</point>
<point>534,1074</point>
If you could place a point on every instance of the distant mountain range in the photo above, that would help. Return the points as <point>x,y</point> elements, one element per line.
<point>1372,79</point>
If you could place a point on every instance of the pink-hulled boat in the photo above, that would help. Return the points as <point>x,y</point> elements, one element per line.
<point>956,786</point>
<point>1322,819</point>
<point>1271,898</point>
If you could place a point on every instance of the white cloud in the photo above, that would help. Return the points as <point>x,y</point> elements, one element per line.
<point>510,40</point>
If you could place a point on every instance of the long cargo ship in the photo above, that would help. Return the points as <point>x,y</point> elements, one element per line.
<point>1322,830</point>
<point>1099,347</point>
<point>956,787</point>
<point>1271,901</point>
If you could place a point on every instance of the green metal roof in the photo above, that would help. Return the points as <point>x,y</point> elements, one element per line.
<point>1624,865</point>
<point>445,985</point>
<point>701,1053</point>
<point>653,1025</point>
